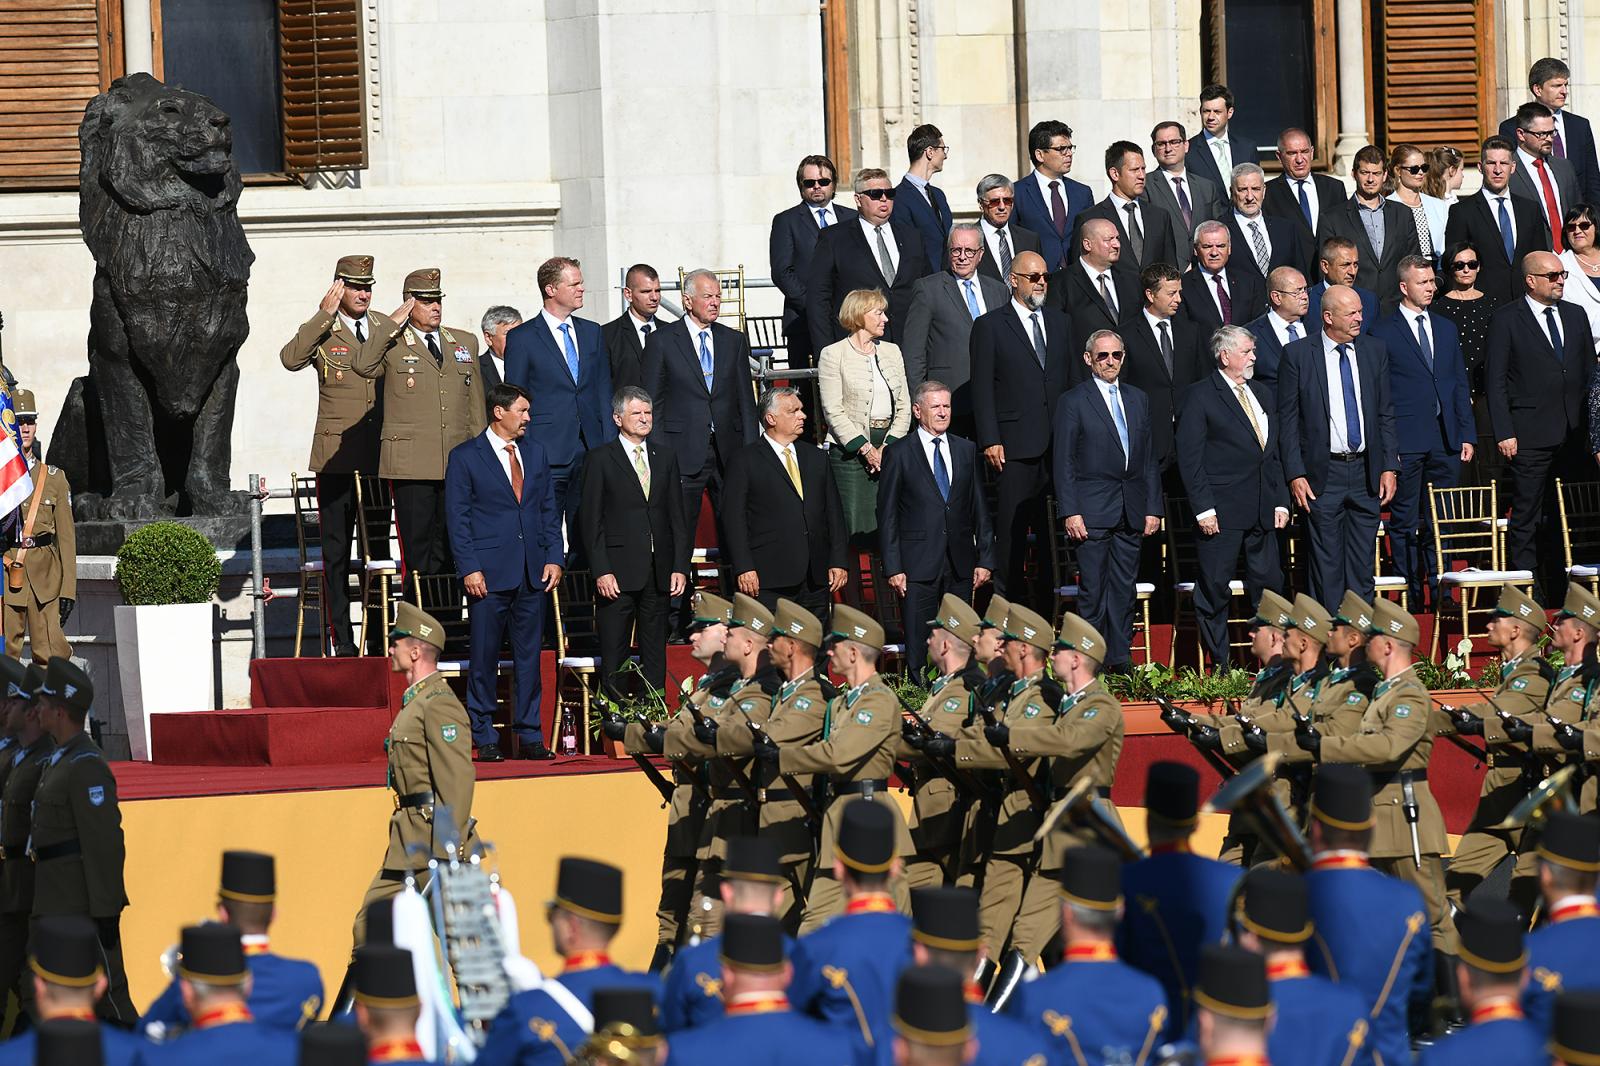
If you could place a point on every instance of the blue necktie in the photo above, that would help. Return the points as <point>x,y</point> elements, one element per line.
<point>941,475</point>
<point>1352,410</point>
<point>1555,333</point>
<point>1293,331</point>
<point>1122,425</point>
<point>707,367</point>
<point>1305,204</point>
<point>571,349</point>
<point>1423,342</point>
<point>972,298</point>
<point>822,218</point>
<point>1506,239</point>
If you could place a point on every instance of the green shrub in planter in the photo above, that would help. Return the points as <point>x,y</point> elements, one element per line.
<point>166,562</point>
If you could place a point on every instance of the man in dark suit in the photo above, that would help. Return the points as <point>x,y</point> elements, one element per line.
<point>1218,291</point>
<point>784,527</point>
<point>1338,263</point>
<point>794,240</point>
<point>870,252</point>
<point>1340,454</point>
<point>1550,82</point>
<point>933,519</point>
<point>497,322</point>
<point>1540,357</point>
<point>1048,201</point>
<point>1232,472</point>
<point>697,372</point>
<point>922,204</point>
<point>1003,238</point>
<point>1187,197</point>
<point>1215,150</point>
<point>1145,235</point>
<point>1542,176</point>
<point>1284,323</point>
<point>1108,490</point>
<point>1383,230</point>
<point>1502,227</point>
<point>627,334</point>
<point>1164,358</point>
<point>1299,196</point>
<point>505,532</point>
<point>560,360</point>
<point>1432,414</point>
<point>637,540</point>
<point>1263,241</point>
<point>1092,291</point>
<point>1019,367</point>
<point>936,340</point>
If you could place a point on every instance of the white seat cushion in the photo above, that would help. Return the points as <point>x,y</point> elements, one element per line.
<point>1472,576</point>
<point>1143,589</point>
<point>383,566</point>
<point>579,662</point>
<point>1583,570</point>
<point>1389,581</point>
<point>311,566</point>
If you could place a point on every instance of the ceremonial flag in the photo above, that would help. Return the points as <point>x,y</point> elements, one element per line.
<point>15,484</point>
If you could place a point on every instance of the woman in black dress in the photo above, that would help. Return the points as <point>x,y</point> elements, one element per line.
<point>1462,302</point>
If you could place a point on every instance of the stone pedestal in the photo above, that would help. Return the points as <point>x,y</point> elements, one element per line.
<point>230,534</point>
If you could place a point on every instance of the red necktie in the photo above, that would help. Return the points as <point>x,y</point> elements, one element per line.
<point>1551,211</point>
<point>516,472</point>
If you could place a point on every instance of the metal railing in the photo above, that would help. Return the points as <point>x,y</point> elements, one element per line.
<point>259,494</point>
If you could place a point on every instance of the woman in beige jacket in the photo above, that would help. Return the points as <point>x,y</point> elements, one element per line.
<point>866,404</point>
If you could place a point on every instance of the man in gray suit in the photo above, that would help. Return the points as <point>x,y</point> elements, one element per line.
<point>1188,198</point>
<point>1541,175</point>
<point>938,325</point>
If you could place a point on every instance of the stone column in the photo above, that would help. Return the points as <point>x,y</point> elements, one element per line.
<point>1353,132</point>
<point>138,50</point>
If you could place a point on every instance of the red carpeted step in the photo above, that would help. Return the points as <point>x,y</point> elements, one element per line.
<point>312,682</point>
<point>270,736</point>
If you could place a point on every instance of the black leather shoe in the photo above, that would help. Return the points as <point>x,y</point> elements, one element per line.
<point>346,650</point>
<point>489,753</point>
<point>536,750</point>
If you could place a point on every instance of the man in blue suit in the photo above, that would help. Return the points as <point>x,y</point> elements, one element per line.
<point>1340,455</point>
<point>505,530</point>
<point>923,205</point>
<point>1048,201</point>
<point>1108,489</point>
<point>1338,262</point>
<point>1284,323</point>
<point>1432,414</point>
<point>1550,81</point>
<point>1216,150</point>
<point>562,363</point>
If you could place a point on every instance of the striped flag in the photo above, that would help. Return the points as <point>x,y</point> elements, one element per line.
<point>15,484</point>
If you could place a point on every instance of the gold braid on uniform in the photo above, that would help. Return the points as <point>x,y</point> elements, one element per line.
<point>1547,979</point>
<point>709,985</point>
<point>1060,1025</point>
<point>546,1032</point>
<point>1327,956</point>
<point>1158,1018</point>
<point>1413,924</point>
<point>309,1011</point>
<point>1151,905</point>
<point>840,978</point>
<point>1357,1037</point>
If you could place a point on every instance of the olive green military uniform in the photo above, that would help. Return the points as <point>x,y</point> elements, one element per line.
<point>49,569</point>
<point>1569,703</point>
<point>21,769</point>
<point>430,764</point>
<point>686,813</point>
<point>349,404</point>
<point>682,747</point>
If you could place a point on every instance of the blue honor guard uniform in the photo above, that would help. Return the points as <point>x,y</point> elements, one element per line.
<point>1493,961</point>
<point>66,957</point>
<point>1564,956</point>
<point>223,1030</point>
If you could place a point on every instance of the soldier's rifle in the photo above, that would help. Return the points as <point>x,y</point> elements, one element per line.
<point>965,783</point>
<point>1035,795</point>
<point>1224,769</point>
<point>800,794</point>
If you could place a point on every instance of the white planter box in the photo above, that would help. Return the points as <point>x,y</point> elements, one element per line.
<point>165,664</point>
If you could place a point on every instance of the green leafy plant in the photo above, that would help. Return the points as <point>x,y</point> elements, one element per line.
<point>910,692</point>
<point>166,562</point>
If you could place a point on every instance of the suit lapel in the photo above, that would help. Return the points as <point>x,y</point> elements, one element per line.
<point>1539,328</point>
<point>487,452</point>
<point>687,336</point>
<point>1230,400</point>
<point>419,348</point>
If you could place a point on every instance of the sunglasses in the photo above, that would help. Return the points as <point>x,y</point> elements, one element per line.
<point>1464,264</point>
<point>816,183</point>
<point>1000,201</point>
<point>1032,279</point>
<point>1554,275</point>
<point>1416,168</point>
<point>1581,227</point>
<point>1106,357</point>
<point>877,194</point>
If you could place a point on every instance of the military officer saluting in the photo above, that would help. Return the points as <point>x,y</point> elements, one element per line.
<point>430,760</point>
<point>1562,954</point>
<point>759,1026</point>
<point>285,993</point>
<point>856,750</point>
<point>41,561</point>
<point>26,748</point>
<point>215,983</point>
<point>349,418</point>
<point>432,401</point>
<point>1525,682</point>
<point>65,978</point>
<point>76,838</point>
<point>1578,730</point>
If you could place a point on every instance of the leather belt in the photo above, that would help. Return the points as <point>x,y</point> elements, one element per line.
<point>1347,457</point>
<point>56,851</point>
<point>1381,780</point>
<point>879,423</point>
<point>865,787</point>
<point>388,874</point>
<point>769,795</point>
<point>38,540</point>
<point>737,794</point>
<point>415,799</point>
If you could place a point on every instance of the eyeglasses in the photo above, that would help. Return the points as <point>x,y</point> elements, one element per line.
<point>1064,149</point>
<point>1106,357</point>
<point>1301,291</point>
<point>816,183</point>
<point>1464,264</point>
<point>1554,275</point>
<point>1173,143</point>
<point>1581,226</point>
<point>964,253</point>
<point>1032,279</point>
<point>1000,201</point>
<point>1541,134</point>
<point>877,194</point>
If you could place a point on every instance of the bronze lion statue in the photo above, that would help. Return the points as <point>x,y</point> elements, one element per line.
<point>159,194</point>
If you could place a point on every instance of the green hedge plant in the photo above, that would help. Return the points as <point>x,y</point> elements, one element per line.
<point>166,562</point>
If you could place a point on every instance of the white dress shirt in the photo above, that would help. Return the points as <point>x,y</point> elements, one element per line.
<point>827,209</point>
<point>1525,164</point>
<point>1260,223</point>
<point>1114,404</point>
<point>927,440</point>
<point>1493,200</point>
<point>991,242</point>
<point>1260,415</point>
<point>977,290</point>
<point>554,324</point>
<point>498,443</point>
<point>871,232</point>
<point>780,450</point>
<point>1221,150</point>
<point>1311,197</point>
<point>1121,207</point>
<point>1280,329</point>
<point>638,325</point>
<point>350,324</point>
<point>1027,321</point>
<point>1338,438</point>
<point>499,364</point>
<point>1156,322</point>
<point>1538,310</point>
<point>1094,277</point>
<point>1044,189</point>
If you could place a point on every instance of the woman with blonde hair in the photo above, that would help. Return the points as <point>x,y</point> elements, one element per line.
<point>1408,169</point>
<point>866,403</point>
<point>1446,168</point>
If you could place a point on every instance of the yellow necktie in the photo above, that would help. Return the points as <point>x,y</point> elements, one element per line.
<point>794,471</point>
<point>642,469</point>
<point>1250,413</point>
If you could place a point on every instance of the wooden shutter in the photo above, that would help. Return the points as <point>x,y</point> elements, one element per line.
<point>55,55</point>
<point>324,105</point>
<point>1435,73</point>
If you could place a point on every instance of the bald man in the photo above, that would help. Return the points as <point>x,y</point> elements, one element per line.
<point>1096,289</point>
<point>1019,368</point>
<point>1340,453</point>
<point>1540,359</point>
